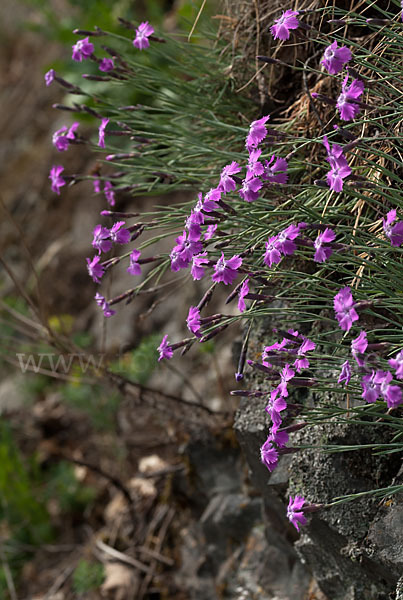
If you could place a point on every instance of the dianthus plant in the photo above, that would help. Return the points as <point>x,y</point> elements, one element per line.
<point>300,225</point>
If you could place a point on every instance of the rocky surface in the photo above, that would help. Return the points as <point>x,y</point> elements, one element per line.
<point>354,550</point>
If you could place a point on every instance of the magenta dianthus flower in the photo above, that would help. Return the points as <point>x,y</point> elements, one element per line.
<point>344,309</point>
<point>56,178</point>
<point>395,233</point>
<point>165,349</point>
<point>255,167</point>
<point>49,77</point>
<point>143,32</point>
<point>211,229</point>
<point>101,133</point>
<point>294,513</point>
<point>82,49</point>
<point>227,183</point>
<point>250,189</point>
<point>106,65</point>
<point>392,394</point>
<point>286,374</point>
<point>285,239</point>
<point>95,270</point>
<point>101,239</point>
<point>193,225</point>
<point>244,291</point>
<point>100,300</point>
<point>323,253</point>
<point>275,406</point>
<point>371,388</point>
<point>62,137</point>
<point>193,320</point>
<point>339,166</point>
<point>302,362</point>
<point>257,132</point>
<point>210,199</point>
<point>276,173</point>
<point>345,374</point>
<point>281,28</point>
<point>397,363</point>
<point>187,248</point>
<point>269,455</point>
<point>278,437</point>
<point>358,346</point>
<point>177,261</point>
<point>272,255</point>
<point>197,270</point>
<point>225,271</point>
<point>118,235</point>
<point>335,58</point>
<point>134,268</point>
<point>109,193</point>
<point>345,102</point>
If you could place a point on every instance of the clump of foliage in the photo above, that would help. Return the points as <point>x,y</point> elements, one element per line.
<point>302,212</point>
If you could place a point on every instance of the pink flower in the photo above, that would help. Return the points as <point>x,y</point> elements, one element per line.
<point>62,137</point>
<point>286,374</point>
<point>165,349</point>
<point>193,320</point>
<point>225,271</point>
<point>187,248</point>
<point>395,233</point>
<point>255,167</point>
<point>118,235</point>
<point>211,229</point>
<point>106,65</point>
<point>275,406</point>
<point>276,173</point>
<point>339,166</point>
<point>302,362</point>
<point>49,77</point>
<point>281,27</point>
<point>358,346</point>
<point>391,393</point>
<point>278,437</point>
<point>211,198</point>
<point>345,374</point>
<point>344,309</point>
<point>197,270</point>
<point>285,239</point>
<point>294,513</point>
<point>269,455</point>
<point>257,132</point>
<point>272,255</point>
<point>244,291</point>
<point>371,388</point>
<point>323,253</point>
<point>56,178</point>
<point>134,268</point>
<point>95,270</point>
<point>345,102</point>
<point>82,49</point>
<point>101,132</point>
<point>143,32</point>
<point>250,189</point>
<point>397,363</point>
<point>101,239</point>
<point>100,300</point>
<point>227,183</point>
<point>109,193</point>
<point>335,58</point>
